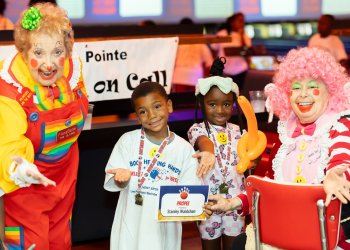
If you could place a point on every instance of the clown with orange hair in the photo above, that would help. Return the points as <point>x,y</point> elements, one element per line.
<point>43,105</point>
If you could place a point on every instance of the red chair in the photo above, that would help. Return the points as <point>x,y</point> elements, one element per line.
<point>292,216</point>
<point>264,168</point>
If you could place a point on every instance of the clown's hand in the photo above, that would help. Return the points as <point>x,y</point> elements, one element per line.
<point>206,162</point>
<point>24,173</point>
<point>335,184</point>
<point>220,204</point>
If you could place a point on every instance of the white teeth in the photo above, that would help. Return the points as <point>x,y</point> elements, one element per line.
<point>47,73</point>
<point>304,103</point>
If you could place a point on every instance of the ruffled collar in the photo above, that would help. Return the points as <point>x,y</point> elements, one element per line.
<point>16,72</point>
<point>323,120</point>
<point>323,127</point>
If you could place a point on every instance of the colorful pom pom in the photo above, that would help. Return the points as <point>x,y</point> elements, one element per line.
<point>31,18</point>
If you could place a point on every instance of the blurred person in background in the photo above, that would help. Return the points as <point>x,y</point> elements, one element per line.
<point>192,62</point>
<point>236,63</point>
<point>5,23</point>
<point>325,40</point>
<point>33,2</point>
<point>147,22</point>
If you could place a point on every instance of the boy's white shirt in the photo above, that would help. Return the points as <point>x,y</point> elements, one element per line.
<point>132,221</point>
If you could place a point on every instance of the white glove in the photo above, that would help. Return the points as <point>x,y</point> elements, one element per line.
<point>24,173</point>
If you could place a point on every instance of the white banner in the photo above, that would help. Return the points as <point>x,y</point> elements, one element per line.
<point>6,50</point>
<point>112,69</point>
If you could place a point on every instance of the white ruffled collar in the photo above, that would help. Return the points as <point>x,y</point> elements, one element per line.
<point>286,128</point>
<point>7,77</point>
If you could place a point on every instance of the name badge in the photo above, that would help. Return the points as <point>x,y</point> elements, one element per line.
<point>182,203</point>
<point>67,133</point>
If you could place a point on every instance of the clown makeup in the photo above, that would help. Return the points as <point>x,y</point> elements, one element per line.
<point>46,57</point>
<point>309,99</point>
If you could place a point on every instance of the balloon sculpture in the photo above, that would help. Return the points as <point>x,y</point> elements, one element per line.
<point>253,143</point>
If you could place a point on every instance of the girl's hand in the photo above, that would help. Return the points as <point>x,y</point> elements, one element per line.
<point>120,174</point>
<point>336,184</point>
<point>206,162</point>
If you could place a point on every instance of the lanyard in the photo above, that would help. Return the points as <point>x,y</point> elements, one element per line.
<point>144,175</point>
<point>223,169</point>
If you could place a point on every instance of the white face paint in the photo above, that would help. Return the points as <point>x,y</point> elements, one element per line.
<point>46,57</point>
<point>309,99</point>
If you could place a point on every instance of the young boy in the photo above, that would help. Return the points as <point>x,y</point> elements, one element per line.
<point>162,158</point>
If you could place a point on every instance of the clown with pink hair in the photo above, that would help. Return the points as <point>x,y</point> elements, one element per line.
<point>308,63</point>
<point>310,95</point>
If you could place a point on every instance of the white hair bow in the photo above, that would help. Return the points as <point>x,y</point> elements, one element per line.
<point>225,84</point>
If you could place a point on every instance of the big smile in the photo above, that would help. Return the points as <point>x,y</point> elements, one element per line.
<point>47,75</point>
<point>305,106</point>
<point>221,118</point>
<point>155,123</point>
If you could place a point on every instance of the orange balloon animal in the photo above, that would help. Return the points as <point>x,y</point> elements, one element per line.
<point>253,143</point>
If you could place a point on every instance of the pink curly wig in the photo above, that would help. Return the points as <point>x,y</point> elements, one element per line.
<point>305,63</point>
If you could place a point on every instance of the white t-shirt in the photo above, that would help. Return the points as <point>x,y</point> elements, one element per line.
<point>331,43</point>
<point>135,227</point>
<point>234,64</point>
<point>190,60</point>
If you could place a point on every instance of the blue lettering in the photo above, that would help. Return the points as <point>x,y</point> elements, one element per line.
<point>174,169</point>
<point>133,163</point>
<point>161,164</point>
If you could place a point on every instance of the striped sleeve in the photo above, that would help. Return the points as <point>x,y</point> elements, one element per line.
<point>339,150</point>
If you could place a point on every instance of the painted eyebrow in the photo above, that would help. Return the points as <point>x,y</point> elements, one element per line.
<point>296,83</point>
<point>37,45</point>
<point>313,83</point>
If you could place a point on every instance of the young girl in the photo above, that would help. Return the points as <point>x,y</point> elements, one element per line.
<point>216,138</point>
<point>143,160</point>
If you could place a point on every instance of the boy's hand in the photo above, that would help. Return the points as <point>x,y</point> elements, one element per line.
<point>120,174</point>
<point>336,184</point>
<point>206,162</point>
